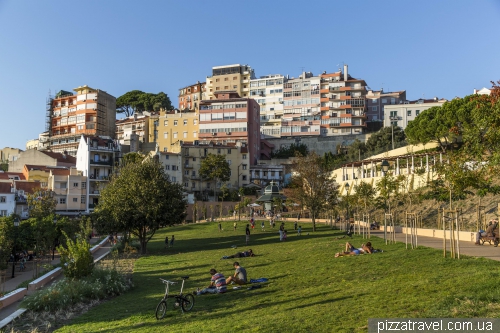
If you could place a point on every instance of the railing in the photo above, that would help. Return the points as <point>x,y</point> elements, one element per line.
<point>109,163</point>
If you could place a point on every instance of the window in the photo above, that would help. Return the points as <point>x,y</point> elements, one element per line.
<point>228,162</point>
<point>175,122</point>
<point>244,177</point>
<point>408,113</point>
<point>244,166</point>
<point>186,172</point>
<point>175,135</point>
<point>63,185</point>
<point>394,114</point>
<point>195,121</point>
<point>217,80</point>
<point>173,179</point>
<point>84,185</point>
<point>3,199</point>
<point>374,100</point>
<point>167,167</point>
<point>194,134</point>
<point>185,134</point>
<point>193,173</point>
<point>165,135</point>
<point>75,184</point>
<point>417,112</point>
<point>384,100</point>
<point>174,167</point>
<point>166,156</point>
<point>235,78</point>
<point>244,156</point>
<point>186,184</point>
<point>235,87</point>
<point>83,199</point>
<point>62,200</point>
<point>165,123</point>
<point>75,199</point>
<point>374,108</point>
<point>229,151</point>
<point>3,213</point>
<point>185,122</point>
<point>218,151</point>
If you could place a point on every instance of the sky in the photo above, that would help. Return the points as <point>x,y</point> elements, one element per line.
<point>429,48</point>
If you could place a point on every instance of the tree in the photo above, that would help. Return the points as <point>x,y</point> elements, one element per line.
<point>76,259</point>
<point>139,200</point>
<point>365,192</point>
<point>290,151</point>
<point>216,168</point>
<point>382,139</point>
<point>41,203</point>
<point>312,184</point>
<point>139,101</point>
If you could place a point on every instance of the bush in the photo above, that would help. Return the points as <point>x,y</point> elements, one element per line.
<point>127,246</point>
<point>100,284</point>
<point>77,260</point>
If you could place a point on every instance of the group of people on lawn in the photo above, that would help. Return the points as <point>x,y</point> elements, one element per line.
<point>218,283</point>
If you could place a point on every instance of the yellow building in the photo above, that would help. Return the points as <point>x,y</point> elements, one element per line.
<point>192,153</point>
<point>230,77</point>
<point>173,126</point>
<point>69,187</point>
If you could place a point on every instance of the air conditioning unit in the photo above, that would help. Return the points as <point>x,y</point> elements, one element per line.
<point>214,133</point>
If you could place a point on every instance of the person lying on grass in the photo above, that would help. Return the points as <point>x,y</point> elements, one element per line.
<point>350,250</point>
<point>240,275</point>
<point>248,253</point>
<point>217,284</point>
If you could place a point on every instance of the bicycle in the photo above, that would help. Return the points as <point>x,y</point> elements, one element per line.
<point>186,302</point>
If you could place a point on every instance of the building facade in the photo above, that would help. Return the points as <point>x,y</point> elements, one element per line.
<point>69,187</point>
<point>376,100</point>
<point>41,157</point>
<point>89,112</point>
<point>401,114</point>
<point>264,174</point>
<point>96,159</point>
<point>133,130</point>
<point>229,77</point>
<point>173,126</point>
<point>268,92</point>
<point>231,119</point>
<point>190,96</point>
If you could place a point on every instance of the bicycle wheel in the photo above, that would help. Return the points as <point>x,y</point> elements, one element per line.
<point>161,309</point>
<point>187,304</point>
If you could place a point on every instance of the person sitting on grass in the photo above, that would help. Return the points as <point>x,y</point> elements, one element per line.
<point>240,275</point>
<point>217,284</point>
<point>243,254</point>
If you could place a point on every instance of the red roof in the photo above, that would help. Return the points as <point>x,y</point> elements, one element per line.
<point>9,175</point>
<point>5,187</point>
<point>27,187</point>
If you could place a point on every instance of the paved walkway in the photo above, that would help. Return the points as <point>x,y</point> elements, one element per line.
<point>11,283</point>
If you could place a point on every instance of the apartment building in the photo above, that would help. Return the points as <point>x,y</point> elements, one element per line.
<point>173,126</point>
<point>230,119</point>
<point>22,189</point>
<point>268,92</point>
<point>190,96</point>
<point>69,187</point>
<point>172,164</point>
<point>401,114</point>
<point>41,173</point>
<point>8,154</point>
<point>264,174</point>
<point>90,112</point>
<point>343,107</point>
<point>7,199</point>
<point>133,130</point>
<point>301,106</point>
<point>483,91</point>
<point>96,159</point>
<point>191,155</point>
<point>376,100</point>
<point>229,77</point>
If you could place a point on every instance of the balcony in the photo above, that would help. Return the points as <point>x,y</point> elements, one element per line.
<point>188,166</point>
<point>106,163</point>
<point>94,192</point>
<point>99,178</point>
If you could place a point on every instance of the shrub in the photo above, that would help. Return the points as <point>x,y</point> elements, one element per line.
<point>77,260</point>
<point>100,284</point>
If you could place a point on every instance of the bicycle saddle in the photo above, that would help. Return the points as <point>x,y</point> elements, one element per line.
<point>184,277</point>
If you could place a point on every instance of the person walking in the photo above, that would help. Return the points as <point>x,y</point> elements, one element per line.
<point>295,226</point>
<point>166,241</point>
<point>220,227</point>
<point>234,226</point>
<point>172,241</point>
<point>282,229</point>
<point>247,234</point>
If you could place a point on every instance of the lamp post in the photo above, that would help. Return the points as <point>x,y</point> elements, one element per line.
<point>385,168</point>
<point>16,225</point>
<point>347,197</point>
<point>239,207</point>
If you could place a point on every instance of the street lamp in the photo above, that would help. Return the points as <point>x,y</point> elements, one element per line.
<point>16,225</point>
<point>239,207</point>
<point>385,168</point>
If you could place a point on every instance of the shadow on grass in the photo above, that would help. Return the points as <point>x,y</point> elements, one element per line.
<point>326,301</point>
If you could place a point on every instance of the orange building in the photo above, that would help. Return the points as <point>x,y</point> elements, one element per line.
<point>89,111</point>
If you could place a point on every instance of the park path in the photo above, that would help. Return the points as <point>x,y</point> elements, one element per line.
<point>12,283</point>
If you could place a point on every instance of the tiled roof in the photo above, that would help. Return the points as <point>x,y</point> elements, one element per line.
<point>61,158</point>
<point>100,141</point>
<point>5,187</point>
<point>27,187</point>
<point>59,172</point>
<point>9,175</point>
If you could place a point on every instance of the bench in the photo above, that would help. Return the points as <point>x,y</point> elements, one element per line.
<point>44,279</point>
<point>98,246</point>
<point>10,318</point>
<point>12,297</point>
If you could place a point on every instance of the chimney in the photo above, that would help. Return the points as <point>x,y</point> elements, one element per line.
<point>345,72</point>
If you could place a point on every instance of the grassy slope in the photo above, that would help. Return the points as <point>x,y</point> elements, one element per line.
<point>309,289</point>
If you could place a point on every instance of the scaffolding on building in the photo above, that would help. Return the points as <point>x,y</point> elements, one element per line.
<point>48,114</point>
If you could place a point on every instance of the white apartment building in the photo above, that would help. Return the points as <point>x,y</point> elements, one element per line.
<point>96,158</point>
<point>172,163</point>
<point>401,114</point>
<point>268,92</point>
<point>7,199</point>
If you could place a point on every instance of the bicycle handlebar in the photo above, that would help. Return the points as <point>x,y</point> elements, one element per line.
<point>167,281</point>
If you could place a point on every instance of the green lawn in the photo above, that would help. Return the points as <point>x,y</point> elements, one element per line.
<point>309,289</point>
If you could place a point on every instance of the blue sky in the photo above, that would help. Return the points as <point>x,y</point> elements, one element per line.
<point>429,48</point>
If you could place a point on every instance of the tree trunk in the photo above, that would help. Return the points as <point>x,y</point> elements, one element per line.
<point>144,245</point>
<point>313,220</point>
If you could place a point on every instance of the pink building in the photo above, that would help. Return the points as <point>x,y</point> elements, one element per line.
<point>230,119</point>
